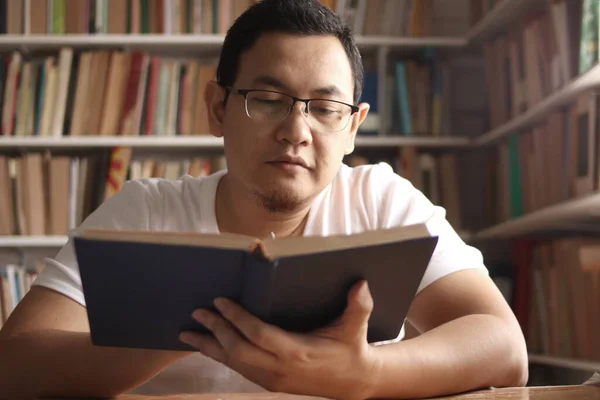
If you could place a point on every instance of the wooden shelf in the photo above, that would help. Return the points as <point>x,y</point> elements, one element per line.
<point>90,142</point>
<point>396,141</point>
<point>410,42</point>
<point>32,241</point>
<point>500,18</point>
<point>538,113</point>
<point>581,365</point>
<point>30,43</point>
<point>555,217</point>
<point>200,142</point>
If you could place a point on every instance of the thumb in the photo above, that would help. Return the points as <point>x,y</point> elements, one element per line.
<point>355,319</point>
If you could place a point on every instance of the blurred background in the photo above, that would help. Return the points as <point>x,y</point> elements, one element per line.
<point>490,107</point>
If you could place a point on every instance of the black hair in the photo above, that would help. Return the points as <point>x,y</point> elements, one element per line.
<point>296,17</point>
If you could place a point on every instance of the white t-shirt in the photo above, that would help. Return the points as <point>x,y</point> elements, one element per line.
<point>359,199</point>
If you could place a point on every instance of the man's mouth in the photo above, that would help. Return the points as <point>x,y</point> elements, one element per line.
<point>289,161</point>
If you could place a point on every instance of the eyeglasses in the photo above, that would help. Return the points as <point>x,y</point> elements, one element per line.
<point>270,106</point>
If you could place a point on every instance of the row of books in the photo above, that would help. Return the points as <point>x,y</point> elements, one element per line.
<point>560,300</point>
<point>46,194</point>
<point>555,161</point>
<point>109,93</point>
<point>538,55</point>
<point>102,93</point>
<point>417,98</point>
<point>41,17</point>
<point>385,17</point>
<point>15,282</point>
<point>422,97</point>
<point>381,17</point>
<point>436,175</point>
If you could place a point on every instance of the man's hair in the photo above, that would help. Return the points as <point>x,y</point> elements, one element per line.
<point>296,17</point>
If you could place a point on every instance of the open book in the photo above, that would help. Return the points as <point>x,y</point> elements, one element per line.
<point>141,288</point>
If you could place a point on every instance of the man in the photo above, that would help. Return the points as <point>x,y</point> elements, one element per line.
<point>285,176</point>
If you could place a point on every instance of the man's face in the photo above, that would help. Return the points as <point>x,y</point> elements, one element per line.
<point>286,163</point>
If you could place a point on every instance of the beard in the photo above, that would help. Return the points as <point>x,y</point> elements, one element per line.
<point>278,201</point>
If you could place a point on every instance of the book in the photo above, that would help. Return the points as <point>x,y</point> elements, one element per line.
<point>141,287</point>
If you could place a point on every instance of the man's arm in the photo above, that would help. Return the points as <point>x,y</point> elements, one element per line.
<point>47,352</point>
<point>470,339</point>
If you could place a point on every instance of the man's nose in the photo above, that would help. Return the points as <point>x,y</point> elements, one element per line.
<point>296,127</point>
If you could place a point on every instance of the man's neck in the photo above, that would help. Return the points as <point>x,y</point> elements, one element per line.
<point>238,211</point>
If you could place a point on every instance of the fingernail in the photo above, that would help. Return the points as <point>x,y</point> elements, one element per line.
<point>185,337</point>
<point>222,304</point>
<point>201,316</point>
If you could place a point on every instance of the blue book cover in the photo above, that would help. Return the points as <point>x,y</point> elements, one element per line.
<point>141,288</point>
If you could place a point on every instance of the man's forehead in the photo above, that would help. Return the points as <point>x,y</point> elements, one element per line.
<point>278,60</point>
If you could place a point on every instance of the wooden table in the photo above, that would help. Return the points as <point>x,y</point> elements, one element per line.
<point>580,392</point>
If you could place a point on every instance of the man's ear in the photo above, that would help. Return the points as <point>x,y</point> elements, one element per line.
<point>357,120</point>
<point>214,96</point>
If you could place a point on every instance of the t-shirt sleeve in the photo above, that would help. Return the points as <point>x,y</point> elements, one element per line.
<point>403,204</point>
<point>127,209</point>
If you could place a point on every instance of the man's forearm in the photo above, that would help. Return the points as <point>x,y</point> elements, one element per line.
<point>65,364</point>
<point>471,352</point>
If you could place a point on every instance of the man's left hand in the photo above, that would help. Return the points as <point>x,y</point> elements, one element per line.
<point>335,362</point>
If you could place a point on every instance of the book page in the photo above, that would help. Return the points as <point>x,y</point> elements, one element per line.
<point>299,245</point>
<point>222,241</point>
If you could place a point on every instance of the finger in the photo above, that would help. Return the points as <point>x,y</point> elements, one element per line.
<point>353,323</point>
<point>236,347</point>
<point>210,347</point>
<point>266,336</point>
<point>206,344</point>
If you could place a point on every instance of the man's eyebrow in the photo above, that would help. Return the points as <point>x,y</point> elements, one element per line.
<point>269,81</point>
<point>331,90</point>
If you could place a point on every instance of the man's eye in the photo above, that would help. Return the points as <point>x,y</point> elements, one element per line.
<point>268,101</point>
<point>324,111</point>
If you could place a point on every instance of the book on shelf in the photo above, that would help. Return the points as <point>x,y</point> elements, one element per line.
<point>134,93</point>
<point>41,17</point>
<point>47,194</point>
<point>59,17</point>
<point>435,175</point>
<point>541,53</point>
<point>552,162</point>
<point>279,280</point>
<point>385,17</point>
<point>416,99</point>
<point>103,93</point>
<point>15,282</point>
<point>559,280</point>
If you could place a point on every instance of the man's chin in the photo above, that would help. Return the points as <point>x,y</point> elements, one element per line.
<point>279,200</point>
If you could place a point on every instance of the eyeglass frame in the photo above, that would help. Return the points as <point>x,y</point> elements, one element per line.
<point>244,93</point>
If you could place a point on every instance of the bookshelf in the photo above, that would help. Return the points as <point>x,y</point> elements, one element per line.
<point>496,20</point>
<point>576,214</point>
<point>559,98</point>
<point>573,215</point>
<point>580,365</point>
